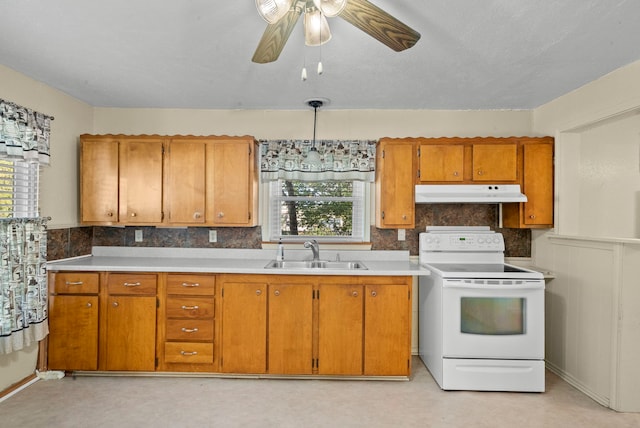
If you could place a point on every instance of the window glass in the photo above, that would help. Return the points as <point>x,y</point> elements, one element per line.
<point>328,210</point>
<point>492,315</point>
<point>18,189</point>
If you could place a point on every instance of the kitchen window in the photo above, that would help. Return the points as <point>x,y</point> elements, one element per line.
<point>19,182</point>
<point>325,210</point>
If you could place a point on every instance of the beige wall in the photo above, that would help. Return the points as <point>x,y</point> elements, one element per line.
<point>592,335</point>
<point>59,198</point>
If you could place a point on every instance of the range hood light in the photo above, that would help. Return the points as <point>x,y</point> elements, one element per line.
<point>468,193</point>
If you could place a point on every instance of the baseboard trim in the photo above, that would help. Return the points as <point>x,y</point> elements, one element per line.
<point>17,387</point>
<point>600,399</point>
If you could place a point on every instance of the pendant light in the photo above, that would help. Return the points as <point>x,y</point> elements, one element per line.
<point>313,157</point>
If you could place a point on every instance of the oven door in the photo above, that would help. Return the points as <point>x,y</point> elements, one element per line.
<point>493,318</point>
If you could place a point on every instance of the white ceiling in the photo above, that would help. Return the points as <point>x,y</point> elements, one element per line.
<point>473,54</point>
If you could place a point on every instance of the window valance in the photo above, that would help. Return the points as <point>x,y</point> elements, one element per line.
<point>323,160</point>
<point>24,133</point>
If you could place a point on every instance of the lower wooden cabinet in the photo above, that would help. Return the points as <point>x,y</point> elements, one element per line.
<point>230,323</point>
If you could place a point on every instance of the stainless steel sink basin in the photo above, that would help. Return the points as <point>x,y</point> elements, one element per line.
<point>318,264</point>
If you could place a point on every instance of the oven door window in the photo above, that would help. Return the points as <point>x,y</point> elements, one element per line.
<point>492,315</point>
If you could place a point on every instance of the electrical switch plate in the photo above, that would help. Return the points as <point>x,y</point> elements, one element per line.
<point>402,234</point>
<point>138,236</point>
<point>213,235</point>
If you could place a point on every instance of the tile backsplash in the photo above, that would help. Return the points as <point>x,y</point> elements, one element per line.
<point>77,241</point>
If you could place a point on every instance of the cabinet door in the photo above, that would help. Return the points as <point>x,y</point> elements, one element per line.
<point>131,333</point>
<point>340,316</point>
<point>290,328</point>
<point>99,181</point>
<point>395,185</point>
<point>538,184</point>
<point>387,330</point>
<point>141,181</point>
<point>244,327</point>
<point>185,181</point>
<point>439,162</point>
<point>495,162</point>
<point>73,332</point>
<point>230,183</point>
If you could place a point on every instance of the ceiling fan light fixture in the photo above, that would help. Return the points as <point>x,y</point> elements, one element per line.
<point>273,10</point>
<point>330,8</point>
<point>316,28</point>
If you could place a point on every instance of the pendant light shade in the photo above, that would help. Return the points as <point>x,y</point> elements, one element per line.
<point>330,8</point>
<point>316,28</point>
<point>272,10</point>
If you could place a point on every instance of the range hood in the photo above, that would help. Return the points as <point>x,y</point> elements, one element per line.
<point>468,193</point>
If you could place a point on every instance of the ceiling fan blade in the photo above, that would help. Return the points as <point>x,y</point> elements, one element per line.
<point>276,35</point>
<point>379,24</point>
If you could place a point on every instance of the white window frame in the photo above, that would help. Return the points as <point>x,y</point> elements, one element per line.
<point>19,188</point>
<point>360,215</point>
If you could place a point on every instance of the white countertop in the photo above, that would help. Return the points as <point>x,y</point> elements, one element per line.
<point>214,260</point>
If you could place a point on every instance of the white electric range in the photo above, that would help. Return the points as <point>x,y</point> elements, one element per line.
<point>481,320</point>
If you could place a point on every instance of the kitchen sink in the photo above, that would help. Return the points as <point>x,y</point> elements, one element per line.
<point>314,264</point>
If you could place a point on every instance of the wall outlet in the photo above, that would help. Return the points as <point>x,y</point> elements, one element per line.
<point>138,235</point>
<point>402,234</point>
<point>213,235</point>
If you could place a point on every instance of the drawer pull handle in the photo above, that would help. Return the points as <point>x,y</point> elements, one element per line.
<point>189,330</point>
<point>190,308</point>
<point>188,354</point>
<point>193,284</point>
<point>132,284</point>
<point>74,283</point>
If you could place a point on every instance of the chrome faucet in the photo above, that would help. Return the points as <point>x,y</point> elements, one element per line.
<point>315,249</point>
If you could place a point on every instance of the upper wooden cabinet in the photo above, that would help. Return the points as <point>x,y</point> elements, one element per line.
<point>99,180</point>
<point>467,160</point>
<point>232,182</point>
<point>140,181</point>
<point>184,185</point>
<point>537,184</point>
<point>155,180</point>
<point>395,179</point>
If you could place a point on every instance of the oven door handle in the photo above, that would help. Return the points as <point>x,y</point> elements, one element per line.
<point>494,285</point>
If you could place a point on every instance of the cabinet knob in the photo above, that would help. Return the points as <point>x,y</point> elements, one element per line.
<point>133,214</point>
<point>276,293</point>
<point>455,173</point>
<point>479,172</point>
<point>116,304</point>
<point>109,214</point>
<point>532,216</point>
<point>197,215</point>
<point>354,294</point>
<point>374,294</point>
<point>220,214</point>
<point>404,216</point>
<point>258,292</point>
<point>89,305</point>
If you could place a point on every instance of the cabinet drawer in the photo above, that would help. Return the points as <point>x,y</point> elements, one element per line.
<point>189,330</point>
<point>76,283</point>
<point>131,283</point>
<point>203,285</point>
<point>186,352</point>
<point>190,307</point>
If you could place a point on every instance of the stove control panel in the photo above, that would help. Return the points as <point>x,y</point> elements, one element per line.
<point>483,241</point>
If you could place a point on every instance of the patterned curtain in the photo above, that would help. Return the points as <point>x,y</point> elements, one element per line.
<point>24,133</point>
<point>23,283</point>
<point>325,160</point>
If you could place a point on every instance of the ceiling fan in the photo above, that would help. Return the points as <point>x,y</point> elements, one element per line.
<point>282,16</point>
